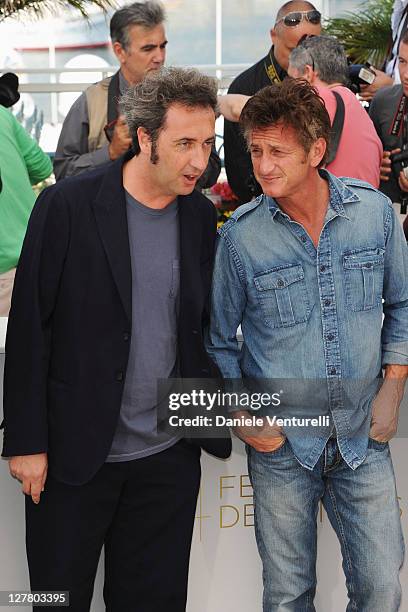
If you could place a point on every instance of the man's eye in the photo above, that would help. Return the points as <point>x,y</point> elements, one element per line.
<point>184,144</point>
<point>256,152</point>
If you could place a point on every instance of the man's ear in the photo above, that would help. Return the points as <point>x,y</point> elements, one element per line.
<point>272,34</point>
<point>119,52</point>
<point>309,74</point>
<point>145,142</point>
<point>317,150</point>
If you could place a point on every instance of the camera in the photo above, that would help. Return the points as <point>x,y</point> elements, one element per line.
<point>9,89</point>
<point>399,162</point>
<point>360,74</point>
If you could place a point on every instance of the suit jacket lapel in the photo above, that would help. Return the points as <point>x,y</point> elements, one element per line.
<point>190,247</point>
<point>111,218</point>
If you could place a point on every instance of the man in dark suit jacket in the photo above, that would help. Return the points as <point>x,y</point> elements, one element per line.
<point>110,295</point>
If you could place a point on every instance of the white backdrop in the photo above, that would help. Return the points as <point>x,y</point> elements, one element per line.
<point>225,572</point>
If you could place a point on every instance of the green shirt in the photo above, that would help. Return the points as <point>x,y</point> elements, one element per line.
<point>22,164</point>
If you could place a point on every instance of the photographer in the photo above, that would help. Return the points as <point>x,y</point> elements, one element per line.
<point>389,112</point>
<point>389,75</point>
<point>355,149</point>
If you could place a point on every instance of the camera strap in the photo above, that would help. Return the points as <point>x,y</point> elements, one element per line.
<point>337,127</point>
<point>396,127</point>
<point>274,71</point>
<point>399,128</point>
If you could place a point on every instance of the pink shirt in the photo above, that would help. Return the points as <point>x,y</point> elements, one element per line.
<point>359,153</point>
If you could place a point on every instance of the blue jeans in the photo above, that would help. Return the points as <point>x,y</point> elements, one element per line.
<point>362,508</point>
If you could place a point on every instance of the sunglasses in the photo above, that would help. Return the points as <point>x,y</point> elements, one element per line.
<point>294,19</point>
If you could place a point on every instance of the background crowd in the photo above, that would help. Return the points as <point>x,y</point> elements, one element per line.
<point>364,140</point>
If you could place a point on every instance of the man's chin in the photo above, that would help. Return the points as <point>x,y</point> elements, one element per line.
<point>151,71</point>
<point>187,190</point>
<point>272,188</point>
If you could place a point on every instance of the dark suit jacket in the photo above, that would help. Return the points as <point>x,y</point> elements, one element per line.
<point>69,328</point>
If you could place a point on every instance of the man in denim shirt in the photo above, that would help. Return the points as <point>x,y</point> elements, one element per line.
<point>308,269</point>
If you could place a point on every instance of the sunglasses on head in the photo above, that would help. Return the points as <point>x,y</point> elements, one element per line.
<point>293,19</point>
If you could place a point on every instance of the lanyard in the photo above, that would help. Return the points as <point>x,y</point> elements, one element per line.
<point>396,128</point>
<point>270,69</point>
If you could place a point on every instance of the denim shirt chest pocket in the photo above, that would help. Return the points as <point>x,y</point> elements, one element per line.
<point>363,275</point>
<point>282,295</point>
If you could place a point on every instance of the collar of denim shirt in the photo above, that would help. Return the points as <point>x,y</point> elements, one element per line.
<point>340,194</point>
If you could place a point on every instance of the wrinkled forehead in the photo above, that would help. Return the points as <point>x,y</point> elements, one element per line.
<point>273,134</point>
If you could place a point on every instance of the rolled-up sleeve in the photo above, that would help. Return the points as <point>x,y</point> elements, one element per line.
<point>395,293</point>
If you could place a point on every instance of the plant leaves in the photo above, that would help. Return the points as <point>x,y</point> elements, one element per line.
<point>365,33</point>
<point>40,8</point>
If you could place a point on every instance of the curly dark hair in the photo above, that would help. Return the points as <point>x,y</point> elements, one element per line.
<point>293,103</point>
<point>146,104</point>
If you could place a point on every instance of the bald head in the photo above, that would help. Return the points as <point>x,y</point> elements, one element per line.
<point>286,37</point>
<point>292,5</point>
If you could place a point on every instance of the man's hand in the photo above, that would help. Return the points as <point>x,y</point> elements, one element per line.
<point>31,471</point>
<point>384,420</point>
<point>403,182</point>
<point>385,169</point>
<point>381,80</point>
<point>264,439</point>
<point>121,140</point>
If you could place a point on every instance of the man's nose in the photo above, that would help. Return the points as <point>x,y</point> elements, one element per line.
<point>199,159</point>
<point>159,56</point>
<point>266,165</point>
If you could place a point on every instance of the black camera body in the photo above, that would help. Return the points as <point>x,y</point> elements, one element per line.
<point>9,94</point>
<point>399,161</point>
<point>360,74</point>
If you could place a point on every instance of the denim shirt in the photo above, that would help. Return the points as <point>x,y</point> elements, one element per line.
<point>312,318</point>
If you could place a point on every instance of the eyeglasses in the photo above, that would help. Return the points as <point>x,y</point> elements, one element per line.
<point>294,19</point>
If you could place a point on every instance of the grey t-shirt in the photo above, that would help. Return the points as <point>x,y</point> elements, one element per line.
<point>155,259</point>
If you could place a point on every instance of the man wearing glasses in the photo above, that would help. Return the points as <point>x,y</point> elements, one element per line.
<point>293,20</point>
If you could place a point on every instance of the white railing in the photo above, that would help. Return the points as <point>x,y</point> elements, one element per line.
<point>224,73</point>
<point>46,128</point>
